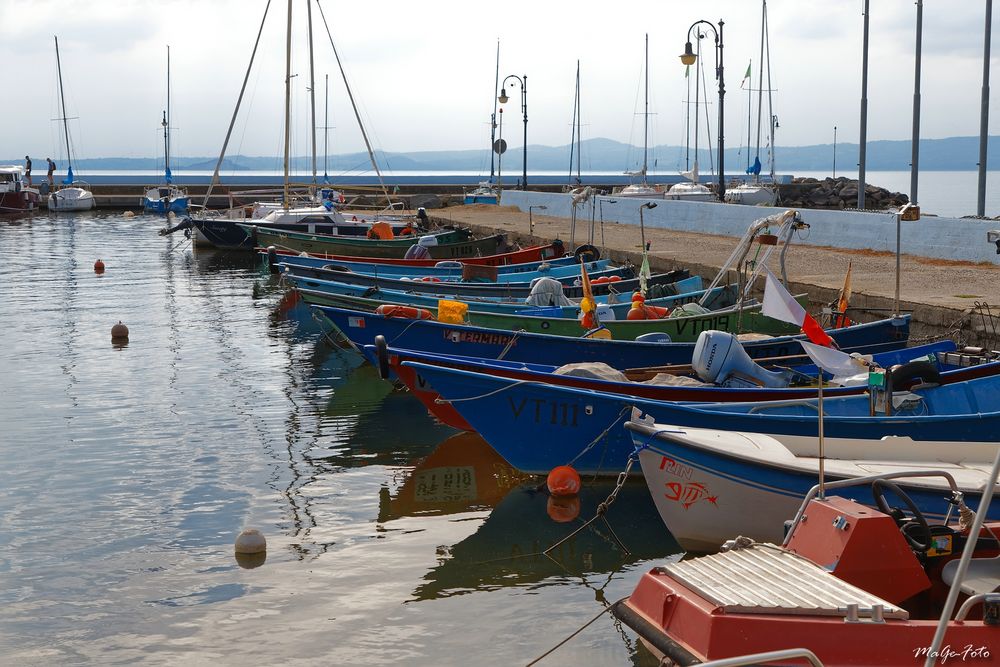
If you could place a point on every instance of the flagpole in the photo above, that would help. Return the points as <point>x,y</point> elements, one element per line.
<point>822,476</point>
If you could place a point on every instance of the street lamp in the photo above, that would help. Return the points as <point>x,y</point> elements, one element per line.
<point>688,58</point>
<point>531,222</point>
<point>615,201</point>
<point>642,226</point>
<point>522,81</point>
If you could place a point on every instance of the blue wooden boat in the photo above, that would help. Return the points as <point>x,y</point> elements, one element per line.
<point>538,426</point>
<point>391,364</point>
<point>361,328</point>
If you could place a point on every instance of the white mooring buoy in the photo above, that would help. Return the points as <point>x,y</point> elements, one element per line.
<point>251,541</point>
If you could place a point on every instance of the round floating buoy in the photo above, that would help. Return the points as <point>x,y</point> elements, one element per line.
<point>250,541</point>
<point>119,333</point>
<point>99,266</point>
<point>637,296</point>
<point>564,509</point>
<point>563,481</point>
<point>128,214</point>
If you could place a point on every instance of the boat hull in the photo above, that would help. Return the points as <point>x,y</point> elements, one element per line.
<point>449,245</point>
<point>361,328</point>
<point>24,199</point>
<point>71,199</point>
<point>527,259</point>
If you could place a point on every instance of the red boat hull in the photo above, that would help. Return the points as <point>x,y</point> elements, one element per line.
<point>24,200</point>
<point>532,254</point>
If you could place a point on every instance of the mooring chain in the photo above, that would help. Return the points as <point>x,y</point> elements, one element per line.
<point>602,510</point>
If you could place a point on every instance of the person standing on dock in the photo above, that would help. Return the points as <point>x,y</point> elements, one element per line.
<point>52,171</point>
<point>27,169</point>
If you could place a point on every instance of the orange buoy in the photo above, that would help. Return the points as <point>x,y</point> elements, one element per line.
<point>636,313</point>
<point>389,310</point>
<point>99,266</point>
<point>588,321</point>
<point>563,509</point>
<point>614,279</point>
<point>563,481</point>
<point>637,296</point>
<point>119,333</point>
<point>655,312</point>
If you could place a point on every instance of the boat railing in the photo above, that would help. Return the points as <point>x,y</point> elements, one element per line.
<point>854,481</point>
<point>767,658</point>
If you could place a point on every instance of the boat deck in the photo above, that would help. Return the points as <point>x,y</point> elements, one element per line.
<point>766,579</point>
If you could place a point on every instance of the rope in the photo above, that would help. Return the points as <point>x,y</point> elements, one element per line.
<point>441,401</point>
<point>509,344</point>
<point>600,435</point>
<point>178,244</point>
<point>575,633</point>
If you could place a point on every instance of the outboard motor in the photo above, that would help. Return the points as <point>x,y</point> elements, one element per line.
<point>719,358</point>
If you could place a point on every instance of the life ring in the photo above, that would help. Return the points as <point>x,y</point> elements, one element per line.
<point>902,376</point>
<point>382,356</point>
<point>408,312</point>
<point>586,253</point>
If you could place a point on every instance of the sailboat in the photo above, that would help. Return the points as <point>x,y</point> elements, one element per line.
<point>642,188</point>
<point>486,192</point>
<point>691,189</point>
<point>166,197</point>
<point>70,197</point>
<point>756,192</point>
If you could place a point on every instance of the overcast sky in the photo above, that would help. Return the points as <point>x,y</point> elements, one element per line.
<point>423,72</point>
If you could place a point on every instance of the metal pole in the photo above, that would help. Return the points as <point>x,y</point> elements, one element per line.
<point>915,141</point>
<point>312,92</point>
<point>835,151</point>
<point>895,311</point>
<point>524,109</point>
<point>493,118</point>
<point>288,98</point>
<point>864,113</point>
<point>984,113</point>
<point>963,563</point>
<point>500,157</point>
<point>722,117</point>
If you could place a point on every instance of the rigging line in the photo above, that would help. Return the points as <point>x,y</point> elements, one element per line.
<point>575,633</point>
<point>357,115</point>
<point>760,76</point>
<point>229,132</point>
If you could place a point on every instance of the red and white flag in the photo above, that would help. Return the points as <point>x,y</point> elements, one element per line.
<point>781,305</point>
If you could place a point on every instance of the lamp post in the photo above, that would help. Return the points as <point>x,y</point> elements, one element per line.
<point>688,58</point>
<point>615,201</point>
<point>522,81</point>
<point>531,222</point>
<point>642,226</point>
<point>499,147</point>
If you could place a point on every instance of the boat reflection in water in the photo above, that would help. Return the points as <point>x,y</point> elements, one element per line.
<point>462,474</point>
<point>507,549</point>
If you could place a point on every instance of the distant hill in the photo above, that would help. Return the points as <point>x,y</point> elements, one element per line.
<point>951,154</point>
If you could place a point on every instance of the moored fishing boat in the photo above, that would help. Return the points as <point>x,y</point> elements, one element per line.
<point>361,328</point>
<point>585,428</point>
<point>648,383</point>
<point>448,244</point>
<point>851,585</point>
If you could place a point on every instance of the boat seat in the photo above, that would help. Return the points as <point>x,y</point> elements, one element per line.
<point>983,575</point>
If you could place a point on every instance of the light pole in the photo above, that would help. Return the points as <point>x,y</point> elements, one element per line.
<point>613,201</point>
<point>642,226</point>
<point>688,58</point>
<point>522,81</point>
<point>531,222</point>
<point>499,147</point>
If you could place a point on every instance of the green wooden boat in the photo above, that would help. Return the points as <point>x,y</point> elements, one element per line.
<point>452,244</point>
<point>680,329</point>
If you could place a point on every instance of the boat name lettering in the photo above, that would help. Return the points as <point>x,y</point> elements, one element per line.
<point>688,494</point>
<point>699,324</point>
<point>456,336</point>
<point>543,411</point>
<point>674,468</point>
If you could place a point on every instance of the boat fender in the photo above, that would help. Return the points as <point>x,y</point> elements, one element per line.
<point>408,312</point>
<point>587,253</point>
<point>382,356</point>
<point>272,259</point>
<point>902,375</point>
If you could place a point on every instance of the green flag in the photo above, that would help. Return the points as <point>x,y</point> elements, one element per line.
<point>747,75</point>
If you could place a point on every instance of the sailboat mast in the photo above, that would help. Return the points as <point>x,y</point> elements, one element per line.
<point>645,118</point>
<point>579,138</point>
<point>62,102</point>
<point>288,98</point>
<point>493,118</point>
<point>760,76</point>
<point>573,137</point>
<point>312,89</point>
<point>326,127</point>
<point>770,109</point>
<point>166,125</point>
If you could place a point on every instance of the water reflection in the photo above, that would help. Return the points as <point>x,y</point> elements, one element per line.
<point>507,549</point>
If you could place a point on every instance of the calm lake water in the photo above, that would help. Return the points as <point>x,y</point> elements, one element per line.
<point>128,472</point>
